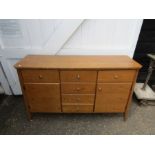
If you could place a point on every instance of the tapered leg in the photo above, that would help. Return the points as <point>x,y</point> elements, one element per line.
<point>125,115</point>
<point>29,116</point>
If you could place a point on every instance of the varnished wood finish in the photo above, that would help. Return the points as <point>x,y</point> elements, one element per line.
<point>130,96</point>
<point>77,108</point>
<point>24,95</point>
<point>40,76</point>
<point>116,76</point>
<point>78,76</point>
<point>112,97</point>
<point>78,88</point>
<point>77,84</point>
<point>76,98</point>
<point>113,88</point>
<point>77,62</point>
<point>43,97</point>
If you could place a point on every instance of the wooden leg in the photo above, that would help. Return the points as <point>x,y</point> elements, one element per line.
<point>125,115</point>
<point>29,116</point>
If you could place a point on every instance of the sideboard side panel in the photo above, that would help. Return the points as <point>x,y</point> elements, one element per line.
<point>24,94</point>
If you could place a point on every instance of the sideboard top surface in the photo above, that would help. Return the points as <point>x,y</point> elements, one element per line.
<point>77,62</point>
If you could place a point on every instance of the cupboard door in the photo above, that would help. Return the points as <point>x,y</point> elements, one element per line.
<point>43,97</point>
<point>112,97</point>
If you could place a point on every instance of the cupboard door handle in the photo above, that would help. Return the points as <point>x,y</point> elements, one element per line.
<point>99,89</point>
<point>40,77</point>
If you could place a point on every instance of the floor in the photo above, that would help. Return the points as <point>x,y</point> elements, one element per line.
<point>13,121</point>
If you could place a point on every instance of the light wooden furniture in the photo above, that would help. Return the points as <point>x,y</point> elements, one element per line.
<point>77,84</point>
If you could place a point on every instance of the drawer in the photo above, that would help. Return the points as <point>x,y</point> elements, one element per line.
<point>116,76</point>
<point>78,76</point>
<point>78,88</point>
<point>77,108</point>
<point>40,76</point>
<point>87,99</point>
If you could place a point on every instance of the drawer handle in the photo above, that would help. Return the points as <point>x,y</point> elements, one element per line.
<point>40,77</point>
<point>99,89</point>
<point>78,76</point>
<point>116,77</point>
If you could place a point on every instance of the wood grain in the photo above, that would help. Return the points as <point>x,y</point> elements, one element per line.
<point>43,97</point>
<point>77,62</point>
<point>113,88</point>
<point>77,108</point>
<point>24,95</point>
<point>76,98</point>
<point>116,76</point>
<point>78,76</point>
<point>112,97</point>
<point>78,88</point>
<point>40,76</point>
<point>130,96</point>
<point>77,84</point>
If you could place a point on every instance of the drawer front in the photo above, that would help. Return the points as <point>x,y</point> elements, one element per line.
<point>116,76</point>
<point>86,99</point>
<point>67,88</point>
<point>78,76</point>
<point>77,108</point>
<point>40,76</point>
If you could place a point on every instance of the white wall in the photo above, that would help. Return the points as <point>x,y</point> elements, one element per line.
<point>104,37</point>
<point>74,37</point>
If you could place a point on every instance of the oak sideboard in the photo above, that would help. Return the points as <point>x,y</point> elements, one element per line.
<point>77,84</point>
